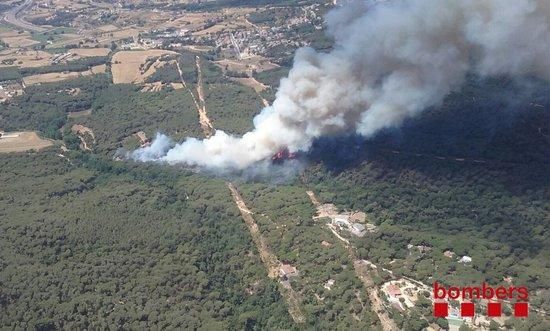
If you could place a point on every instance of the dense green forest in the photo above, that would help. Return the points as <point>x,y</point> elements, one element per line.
<point>272,77</point>
<point>10,73</point>
<point>231,107</point>
<point>121,110</point>
<point>109,243</point>
<point>92,244</point>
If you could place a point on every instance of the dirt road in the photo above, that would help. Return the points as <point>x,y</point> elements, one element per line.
<point>373,292</point>
<point>186,87</point>
<point>205,122</point>
<point>271,262</point>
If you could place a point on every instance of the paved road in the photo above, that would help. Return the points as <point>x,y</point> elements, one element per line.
<point>13,17</point>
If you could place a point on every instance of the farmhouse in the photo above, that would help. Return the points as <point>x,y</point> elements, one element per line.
<point>394,291</point>
<point>358,229</point>
<point>287,270</point>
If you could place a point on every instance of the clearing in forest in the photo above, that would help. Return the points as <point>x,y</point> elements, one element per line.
<point>255,63</point>
<point>22,142</point>
<point>79,114</point>
<point>84,133</point>
<point>250,82</point>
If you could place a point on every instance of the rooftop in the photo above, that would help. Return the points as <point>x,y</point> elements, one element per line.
<point>287,269</point>
<point>394,290</point>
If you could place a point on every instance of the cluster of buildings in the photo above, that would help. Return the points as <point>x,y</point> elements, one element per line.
<point>158,39</point>
<point>354,222</point>
<point>10,89</point>
<point>247,43</point>
<point>61,57</point>
<point>260,40</point>
<point>344,223</point>
<point>401,294</point>
<point>464,259</point>
<point>267,40</point>
<point>240,44</point>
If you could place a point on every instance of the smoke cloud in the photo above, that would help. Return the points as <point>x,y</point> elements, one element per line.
<point>391,60</point>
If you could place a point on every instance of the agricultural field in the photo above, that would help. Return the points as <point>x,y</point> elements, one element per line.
<point>24,58</point>
<point>49,77</point>
<point>107,37</point>
<point>59,76</point>
<point>89,52</point>
<point>136,66</point>
<point>16,39</point>
<point>54,35</point>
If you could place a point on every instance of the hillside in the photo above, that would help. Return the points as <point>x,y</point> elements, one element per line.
<point>124,206</point>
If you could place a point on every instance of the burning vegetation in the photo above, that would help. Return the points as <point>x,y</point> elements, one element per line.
<point>388,65</point>
<point>283,155</point>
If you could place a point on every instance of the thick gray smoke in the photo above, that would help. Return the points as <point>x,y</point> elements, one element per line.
<point>391,60</point>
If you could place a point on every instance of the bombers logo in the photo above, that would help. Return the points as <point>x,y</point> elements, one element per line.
<point>468,293</point>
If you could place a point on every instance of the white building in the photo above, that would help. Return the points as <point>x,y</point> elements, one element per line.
<point>465,259</point>
<point>329,283</point>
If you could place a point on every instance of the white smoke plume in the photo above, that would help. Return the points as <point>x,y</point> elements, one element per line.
<point>391,60</point>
